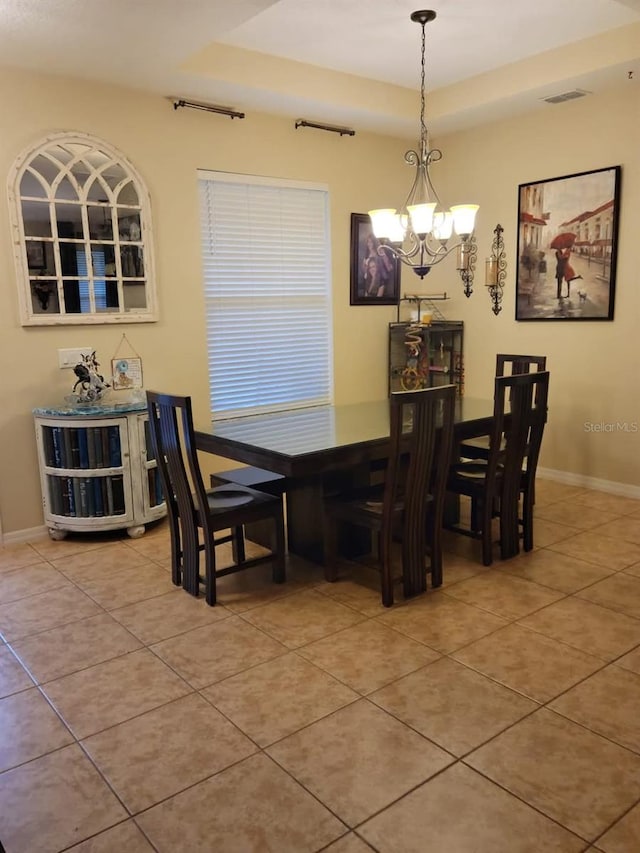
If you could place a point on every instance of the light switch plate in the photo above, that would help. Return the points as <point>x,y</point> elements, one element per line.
<point>71,357</point>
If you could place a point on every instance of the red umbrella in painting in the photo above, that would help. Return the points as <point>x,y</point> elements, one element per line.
<point>565,240</point>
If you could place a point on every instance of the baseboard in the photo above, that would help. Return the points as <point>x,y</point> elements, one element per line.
<point>30,534</point>
<point>625,490</point>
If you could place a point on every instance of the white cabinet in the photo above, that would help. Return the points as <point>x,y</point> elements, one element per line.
<point>97,469</point>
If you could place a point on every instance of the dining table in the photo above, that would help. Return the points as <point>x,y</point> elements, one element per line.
<point>322,450</point>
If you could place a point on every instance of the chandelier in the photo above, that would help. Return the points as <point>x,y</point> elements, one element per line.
<point>422,224</point>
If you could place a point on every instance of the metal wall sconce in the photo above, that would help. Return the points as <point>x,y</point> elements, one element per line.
<point>496,270</point>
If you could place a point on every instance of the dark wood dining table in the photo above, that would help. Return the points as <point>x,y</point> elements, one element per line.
<point>321,450</point>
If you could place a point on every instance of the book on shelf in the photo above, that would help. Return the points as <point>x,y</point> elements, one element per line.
<point>97,443</point>
<point>118,495</point>
<point>66,448</point>
<point>99,508</point>
<point>74,459</point>
<point>77,497</point>
<point>83,447</point>
<point>91,501</point>
<point>55,495</point>
<point>56,438</point>
<point>91,448</point>
<point>151,484</point>
<point>47,446</point>
<point>84,501</point>
<point>115,452</point>
<point>108,510</point>
<point>159,490</point>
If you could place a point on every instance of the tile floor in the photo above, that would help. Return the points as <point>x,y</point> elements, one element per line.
<point>497,715</point>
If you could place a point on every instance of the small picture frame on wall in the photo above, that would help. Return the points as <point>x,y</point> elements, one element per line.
<point>375,275</point>
<point>567,246</point>
<point>127,373</point>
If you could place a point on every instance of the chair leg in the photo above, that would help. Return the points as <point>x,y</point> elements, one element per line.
<point>210,570</point>
<point>330,548</point>
<point>527,520</point>
<point>176,552</point>
<point>386,574</point>
<point>487,533</point>
<point>434,540</point>
<point>278,548</point>
<point>190,557</point>
<point>237,545</point>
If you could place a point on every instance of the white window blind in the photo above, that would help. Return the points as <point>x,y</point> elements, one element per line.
<point>266,261</point>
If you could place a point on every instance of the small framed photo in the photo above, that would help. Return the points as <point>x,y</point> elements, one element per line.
<point>127,373</point>
<point>567,246</point>
<point>375,274</point>
<point>35,255</point>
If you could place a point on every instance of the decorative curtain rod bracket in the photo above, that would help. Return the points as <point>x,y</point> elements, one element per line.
<point>343,131</point>
<point>209,108</point>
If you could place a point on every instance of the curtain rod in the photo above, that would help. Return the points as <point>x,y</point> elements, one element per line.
<point>209,108</point>
<point>343,131</point>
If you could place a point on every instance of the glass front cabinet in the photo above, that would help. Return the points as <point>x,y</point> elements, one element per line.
<point>97,471</point>
<point>425,355</point>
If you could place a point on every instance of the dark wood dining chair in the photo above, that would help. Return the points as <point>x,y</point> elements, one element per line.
<point>192,508</point>
<point>478,448</point>
<point>408,505</point>
<point>495,483</point>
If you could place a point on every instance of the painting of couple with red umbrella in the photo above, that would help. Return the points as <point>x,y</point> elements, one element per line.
<point>567,246</point>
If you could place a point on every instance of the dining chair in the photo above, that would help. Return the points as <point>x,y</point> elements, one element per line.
<point>408,505</point>
<point>495,483</point>
<point>478,448</point>
<point>192,508</point>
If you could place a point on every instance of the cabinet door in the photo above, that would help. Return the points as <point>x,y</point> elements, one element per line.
<point>151,484</point>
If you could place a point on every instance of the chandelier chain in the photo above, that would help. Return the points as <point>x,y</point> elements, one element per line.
<point>423,127</point>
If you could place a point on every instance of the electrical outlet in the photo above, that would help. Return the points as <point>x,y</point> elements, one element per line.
<point>71,357</point>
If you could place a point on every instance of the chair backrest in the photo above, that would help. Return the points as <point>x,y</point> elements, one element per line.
<point>519,363</point>
<point>171,426</point>
<point>421,434</point>
<point>520,413</point>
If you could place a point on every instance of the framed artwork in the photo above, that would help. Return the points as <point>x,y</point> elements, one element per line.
<point>375,277</point>
<point>127,373</point>
<point>35,255</point>
<point>567,246</point>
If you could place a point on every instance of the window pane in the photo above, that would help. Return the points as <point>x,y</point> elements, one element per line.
<point>132,262</point>
<point>31,186</point>
<point>69,218</point>
<point>35,217</point>
<point>129,227</point>
<point>100,226</point>
<point>66,190</point>
<point>44,297</point>
<point>135,296</point>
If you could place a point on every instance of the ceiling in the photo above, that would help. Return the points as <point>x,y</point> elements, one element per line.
<point>337,61</point>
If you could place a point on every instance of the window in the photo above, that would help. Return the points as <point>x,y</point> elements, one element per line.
<point>266,261</point>
<point>82,223</point>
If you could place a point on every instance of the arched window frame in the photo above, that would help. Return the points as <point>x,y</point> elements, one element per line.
<point>133,297</point>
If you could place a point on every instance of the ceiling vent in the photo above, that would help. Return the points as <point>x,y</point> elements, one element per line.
<point>566,96</point>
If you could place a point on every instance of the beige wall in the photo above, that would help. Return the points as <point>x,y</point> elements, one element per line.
<point>594,365</point>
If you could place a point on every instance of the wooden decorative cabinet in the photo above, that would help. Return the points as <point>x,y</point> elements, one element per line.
<point>425,355</point>
<point>97,469</point>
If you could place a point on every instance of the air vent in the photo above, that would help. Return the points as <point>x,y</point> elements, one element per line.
<point>566,96</point>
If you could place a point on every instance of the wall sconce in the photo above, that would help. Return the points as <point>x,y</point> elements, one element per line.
<point>496,270</point>
<point>467,253</point>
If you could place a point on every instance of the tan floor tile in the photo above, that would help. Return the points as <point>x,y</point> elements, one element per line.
<point>630,661</point>
<point>155,548</point>
<point>29,580</point>
<point>442,622</point>
<point>13,676</point>
<point>99,563</point>
<point>633,570</point>
<point>69,648</point>
<point>166,750</point>
<point>503,594</point>
<point>586,626</point>
<point>112,692</point>
<point>609,503</point>
<point>281,815</point>
<point>124,838</point>
<point>594,547</point>
<point>619,592</point>
<point>453,706</point>
<point>358,760</point>
<point>29,727</point>
<point>167,615</point>
<point>570,774</point>
<point>245,590</point>
<point>557,571</point>
<point>17,556</point>
<point>456,568</point>
<point>348,844</point>
<point>302,618</point>
<point>460,812</point>
<point>383,655</point>
<point>606,703</point>
<point>136,583</point>
<point>275,699</point>
<point>56,549</point>
<point>551,491</point>
<point>46,610</point>
<point>624,836</point>
<point>546,532</point>
<point>627,529</point>
<point>528,662</point>
<point>575,515</point>
<point>53,802</point>
<point>206,655</point>
<point>358,588</point>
